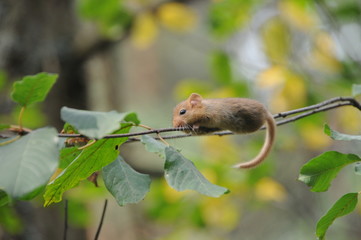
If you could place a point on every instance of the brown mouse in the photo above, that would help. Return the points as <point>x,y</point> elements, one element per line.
<point>239,115</point>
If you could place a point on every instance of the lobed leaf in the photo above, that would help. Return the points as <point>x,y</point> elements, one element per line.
<point>320,171</point>
<point>92,158</point>
<point>28,163</point>
<point>95,124</point>
<point>181,174</point>
<point>342,207</point>
<point>124,183</point>
<point>33,88</point>
<point>340,136</point>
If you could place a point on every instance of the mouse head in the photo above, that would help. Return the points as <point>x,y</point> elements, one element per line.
<point>189,111</point>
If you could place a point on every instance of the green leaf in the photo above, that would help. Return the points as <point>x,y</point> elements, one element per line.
<point>221,67</point>
<point>68,155</point>
<point>28,163</point>
<point>33,89</point>
<point>94,124</point>
<point>110,15</point>
<point>340,136</point>
<point>320,171</point>
<point>181,174</point>
<point>154,146</point>
<point>124,183</point>
<point>227,16</point>
<point>342,207</point>
<point>4,198</point>
<point>356,90</point>
<point>92,158</point>
<point>132,117</point>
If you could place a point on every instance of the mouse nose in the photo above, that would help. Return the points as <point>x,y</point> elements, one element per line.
<point>178,123</point>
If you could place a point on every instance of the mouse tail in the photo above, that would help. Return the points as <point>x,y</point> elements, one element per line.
<point>267,145</point>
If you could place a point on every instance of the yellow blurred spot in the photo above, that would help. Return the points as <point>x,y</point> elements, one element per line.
<point>171,195</point>
<point>314,137</point>
<point>298,14</point>
<point>268,189</point>
<point>220,149</point>
<point>276,38</point>
<point>176,16</point>
<point>272,77</point>
<point>221,213</point>
<point>290,88</point>
<point>349,119</point>
<point>223,92</point>
<point>144,30</point>
<point>323,55</point>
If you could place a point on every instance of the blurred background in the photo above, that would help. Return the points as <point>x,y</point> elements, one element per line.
<point>146,56</point>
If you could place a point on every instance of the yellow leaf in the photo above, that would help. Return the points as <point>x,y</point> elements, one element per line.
<point>176,16</point>
<point>276,40</point>
<point>298,14</point>
<point>144,30</point>
<point>268,189</point>
<point>314,137</point>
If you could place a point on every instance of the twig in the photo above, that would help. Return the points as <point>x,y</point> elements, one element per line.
<point>65,220</point>
<point>101,220</point>
<point>302,112</point>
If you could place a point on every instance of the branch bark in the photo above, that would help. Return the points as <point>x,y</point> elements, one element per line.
<point>299,114</point>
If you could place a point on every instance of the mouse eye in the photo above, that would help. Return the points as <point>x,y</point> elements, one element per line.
<point>182,111</point>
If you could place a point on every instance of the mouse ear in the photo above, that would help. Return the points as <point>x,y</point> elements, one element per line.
<point>195,99</point>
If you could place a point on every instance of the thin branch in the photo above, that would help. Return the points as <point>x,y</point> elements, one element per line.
<point>65,220</point>
<point>302,112</point>
<point>101,220</point>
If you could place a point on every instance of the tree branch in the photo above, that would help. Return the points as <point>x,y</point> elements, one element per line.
<point>302,113</point>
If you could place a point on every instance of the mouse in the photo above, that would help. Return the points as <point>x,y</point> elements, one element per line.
<point>200,116</point>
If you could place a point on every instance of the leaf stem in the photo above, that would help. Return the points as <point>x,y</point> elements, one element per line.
<point>20,119</point>
<point>10,141</point>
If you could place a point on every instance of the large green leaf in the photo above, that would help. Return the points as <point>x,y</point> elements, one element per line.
<point>92,158</point>
<point>320,171</point>
<point>28,163</point>
<point>33,89</point>
<point>124,183</point>
<point>95,124</point>
<point>67,155</point>
<point>342,207</point>
<point>340,136</point>
<point>181,174</point>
